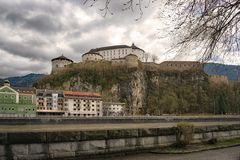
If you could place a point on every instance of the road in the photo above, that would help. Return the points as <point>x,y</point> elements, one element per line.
<point>87,127</point>
<point>232,153</point>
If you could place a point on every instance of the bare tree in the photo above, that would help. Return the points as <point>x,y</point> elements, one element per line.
<point>212,25</point>
<point>146,56</point>
<point>133,5</point>
<point>154,58</point>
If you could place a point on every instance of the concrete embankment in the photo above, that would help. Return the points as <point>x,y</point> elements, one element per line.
<point>111,120</point>
<point>81,143</point>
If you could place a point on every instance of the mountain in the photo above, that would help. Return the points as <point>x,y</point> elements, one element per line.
<point>1,82</point>
<point>231,71</point>
<point>25,81</point>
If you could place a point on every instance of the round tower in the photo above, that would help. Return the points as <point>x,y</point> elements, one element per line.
<point>60,63</point>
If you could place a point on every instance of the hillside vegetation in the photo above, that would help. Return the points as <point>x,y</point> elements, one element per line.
<point>148,91</point>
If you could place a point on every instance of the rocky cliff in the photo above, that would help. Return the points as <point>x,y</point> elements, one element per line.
<point>144,91</point>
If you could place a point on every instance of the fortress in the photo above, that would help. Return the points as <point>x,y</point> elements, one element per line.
<point>123,55</point>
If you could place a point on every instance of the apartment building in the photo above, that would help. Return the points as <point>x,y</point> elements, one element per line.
<point>82,104</point>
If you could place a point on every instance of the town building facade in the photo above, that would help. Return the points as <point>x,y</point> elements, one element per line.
<point>17,102</point>
<point>50,102</point>
<point>82,104</point>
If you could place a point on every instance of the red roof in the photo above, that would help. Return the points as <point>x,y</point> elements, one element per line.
<point>83,94</point>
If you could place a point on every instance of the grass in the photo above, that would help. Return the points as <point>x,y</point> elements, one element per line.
<point>234,141</point>
<point>198,147</point>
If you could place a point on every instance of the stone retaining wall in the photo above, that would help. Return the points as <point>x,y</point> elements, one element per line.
<point>111,120</point>
<point>48,145</point>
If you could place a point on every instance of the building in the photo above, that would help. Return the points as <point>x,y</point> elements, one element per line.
<point>113,52</point>
<point>83,104</point>
<point>50,102</point>
<point>91,57</point>
<point>17,102</point>
<point>60,63</point>
<point>113,109</point>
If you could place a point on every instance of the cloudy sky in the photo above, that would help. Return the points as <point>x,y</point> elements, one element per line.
<point>32,32</point>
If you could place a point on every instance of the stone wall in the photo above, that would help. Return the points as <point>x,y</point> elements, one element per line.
<point>180,66</point>
<point>130,61</point>
<point>112,120</point>
<point>218,79</point>
<point>50,145</point>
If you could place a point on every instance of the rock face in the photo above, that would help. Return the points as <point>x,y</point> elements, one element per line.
<point>139,88</point>
<point>132,91</point>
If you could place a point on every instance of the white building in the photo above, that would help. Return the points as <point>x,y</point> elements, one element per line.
<point>114,52</point>
<point>60,63</point>
<point>113,109</point>
<point>83,104</point>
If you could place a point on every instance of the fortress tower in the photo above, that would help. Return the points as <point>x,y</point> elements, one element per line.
<point>60,63</point>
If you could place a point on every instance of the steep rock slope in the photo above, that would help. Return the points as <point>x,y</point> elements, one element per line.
<point>144,91</point>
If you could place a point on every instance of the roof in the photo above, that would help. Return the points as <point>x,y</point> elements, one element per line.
<point>61,58</point>
<point>114,47</point>
<point>48,93</point>
<point>83,94</point>
<point>92,53</point>
<point>24,90</point>
<point>131,55</point>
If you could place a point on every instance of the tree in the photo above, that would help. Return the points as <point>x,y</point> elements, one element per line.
<point>154,58</point>
<point>146,56</point>
<point>222,104</point>
<point>210,25</point>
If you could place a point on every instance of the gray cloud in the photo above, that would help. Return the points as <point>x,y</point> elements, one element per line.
<point>24,49</point>
<point>33,32</point>
<point>43,23</point>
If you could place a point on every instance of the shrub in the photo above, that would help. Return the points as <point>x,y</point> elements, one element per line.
<point>184,134</point>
